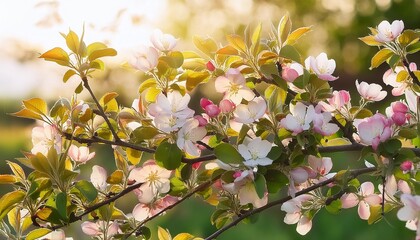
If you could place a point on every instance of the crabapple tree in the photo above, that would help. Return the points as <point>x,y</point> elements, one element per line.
<point>269,137</point>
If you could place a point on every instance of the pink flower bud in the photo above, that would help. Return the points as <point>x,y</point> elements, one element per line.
<point>227,106</point>
<point>210,66</point>
<point>237,174</point>
<point>289,74</point>
<point>196,165</point>
<point>399,107</point>
<point>339,99</point>
<point>204,102</point>
<point>399,118</point>
<point>212,110</point>
<point>407,166</point>
<point>201,120</point>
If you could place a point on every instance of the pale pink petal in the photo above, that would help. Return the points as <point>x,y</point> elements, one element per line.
<point>141,212</point>
<point>304,225</point>
<point>367,188</point>
<point>292,218</point>
<point>363,210</point>
<point>349,200</point>
<point>90,228</point>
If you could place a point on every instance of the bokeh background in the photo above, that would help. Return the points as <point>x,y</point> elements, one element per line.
<point>28,28</point>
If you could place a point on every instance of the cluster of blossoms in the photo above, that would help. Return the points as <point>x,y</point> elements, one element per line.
<point>274,119</point>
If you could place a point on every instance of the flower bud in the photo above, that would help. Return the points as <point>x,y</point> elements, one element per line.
<point>212,110</point>
<point>201,120</point>
<point>339,99</point>
<point>196,165</point>
<point>399,118</point>
<point>227,106</point>
<point>407,166</point>
<point>210,66</point>
<point>289,74</point>
<point>204,102</point>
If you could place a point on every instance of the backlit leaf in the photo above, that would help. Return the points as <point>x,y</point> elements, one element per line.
<point>25,113</point>
<point>17,170</point>
<point>133,156</point>
<point>195,78</point>
<point>163,234</point>
<point>9,200</point>
<point>87,190</point>
<point>106,52</point>
<point>206,45</point>
<point>290,52</point>
<point>7,179</point>
<point>116,177</point>
<point>237,42</point>
<point>72,41</point>
<point>284,28</point>
<point>37,233</point>
<point>296,34</point>
<point>68,75</point>
<point>380,57</point>
<point>370,40</point>
<point>57,55</point>
<point>36,105</point>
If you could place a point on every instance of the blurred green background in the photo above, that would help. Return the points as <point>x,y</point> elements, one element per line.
<point>29,28</point>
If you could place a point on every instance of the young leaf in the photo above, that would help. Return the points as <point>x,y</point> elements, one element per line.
<point>68,75</point>
<point>168,155</point>
<point>17,170</point>
<point>380,57</point>
<point>370,40</point>
<point>296,34</point>
<point>36,105</point>
<point>260,185</point>
<point>9,200</point>
<point>37,233</point>
<point>290,52</point>
<point>284,28</point>
<point>106,52</point>
<point>72,41</point>
<point>7,179</point>
<point>163,234</point>
<point>228,154</point>
<point>87,190</point>
<point>207,46</point>
<point>57,55</point>
<point>237,42</point>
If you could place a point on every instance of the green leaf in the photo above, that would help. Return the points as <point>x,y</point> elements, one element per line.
<point>57,55</point>
<point>17,170</point>
<point>79,88</point>
<point>106,52</point>
<point>228,154</point>
<point>260,185</point>
<point>174,59</point>
<point>37,233</point>
<point>284,28</point>
<point>290,52</point>
<point>87,190</point>
<point>334,207</point>
<point>168,155</point>
<point>68,75</point>
<point>9,200</point>
<point>413,48</point>
<point>195,78</point>
<point>407,37</point>
<point>237,42</point>
<point>407,133</point>
<point>255,40</point>
<point>116,177</point>
<point>206,45</point>
<point>242,133</point>
<point>276,180</point>
<point>370,40</point>
<point>61,204</point>
<point>380,57</point>
<point>72,41</point>
<point>296,34</point>
<point>144,133</point>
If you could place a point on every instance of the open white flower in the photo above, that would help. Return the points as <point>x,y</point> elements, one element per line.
<point>45,137</point>
<point>410,212</point>
<point>321,66</point>
<point>163,41</point>
<point>370,92</point>
<point>255,152</point>
<point>299,119</point>
<point>189,134</point>
<point>146,59</point>
<point>388,32</point>
<point>155,181</point>
<point>233,85</point>
<point>293,209</point>
<point>251,112</point>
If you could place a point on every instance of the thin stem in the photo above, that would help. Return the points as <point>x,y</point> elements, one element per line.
<point>101,110</point>
<point>100,204</point>
<point>197,189</point>
<point>412,75</point>
<point>353,174</point>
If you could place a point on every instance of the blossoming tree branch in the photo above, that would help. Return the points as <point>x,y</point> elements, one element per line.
<point>267,138</point>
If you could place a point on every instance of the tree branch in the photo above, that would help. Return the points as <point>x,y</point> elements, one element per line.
<point>197,189</point>
<point>100,204</point>
<point>353,174</point>
<point>101,110</point>
<point>412,75</point>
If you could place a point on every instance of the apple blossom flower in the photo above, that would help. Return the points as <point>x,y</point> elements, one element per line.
<point>374,130</point>
<point>146,59</point>
<point>251,112</point>
<point>163,41</point>
<point>45,137</point>
<point>365,198</point>
<point>390,78</point>
<point>212,110</point>
<point>143,211</point>
<point>255,152</point>
<point>412,98</point>
<point>233,85</point>
<point>293,209</point>
<point>322,124</point>
<point>299,119</point>
<point>98,177</point>
<point>226,106</point>
<point>321,66</point>
<point>155,181</point>
<point>398,112</point>
<point>410,212</point>
<point>370,92</point>
<point>100,228</point>
<point>393,188</point>
<point>170,112</point>
<point>244,186</point>
<point>55,235</point>
<point>189,134</point>
<point>407,166</point>
<point>388,32</point>
<point>80,154</point>
<point>291,71</point>
<point>338,101</point>
<point>321,165</point>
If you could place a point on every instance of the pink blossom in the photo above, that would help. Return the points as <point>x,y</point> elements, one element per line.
<point>55,235</point>
<point>390,78</point>
<point>370,92</point>
<point>398,112</point>
<point>80,154</point>
<point>321,66</point>
<point>98,177</point>
<point>204,102</point>
<point>226,106</point>
<point>407,166</point>
<point>233,85</point>
<point>321,165</point>
<point>322,124</point>
<point>365,198</point>
<point>143,211</point>
<point>188,135</point>
<point>100,228</point>
<point>410,212</point>
<point>45,137</point>
<point>291,71</point>
<point>393,188</point>
<point>155,181</point>
<point>374,130</point>
<point>146,59</point>
<point>251,112</point>
<point>201,120</point>
<point>294,214</point>
<point>299,119</point>
<point>162,41</point>
<point>388,32</point>
<point>338,100</point>
<point>210,66</point>
<point>212,110</point>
